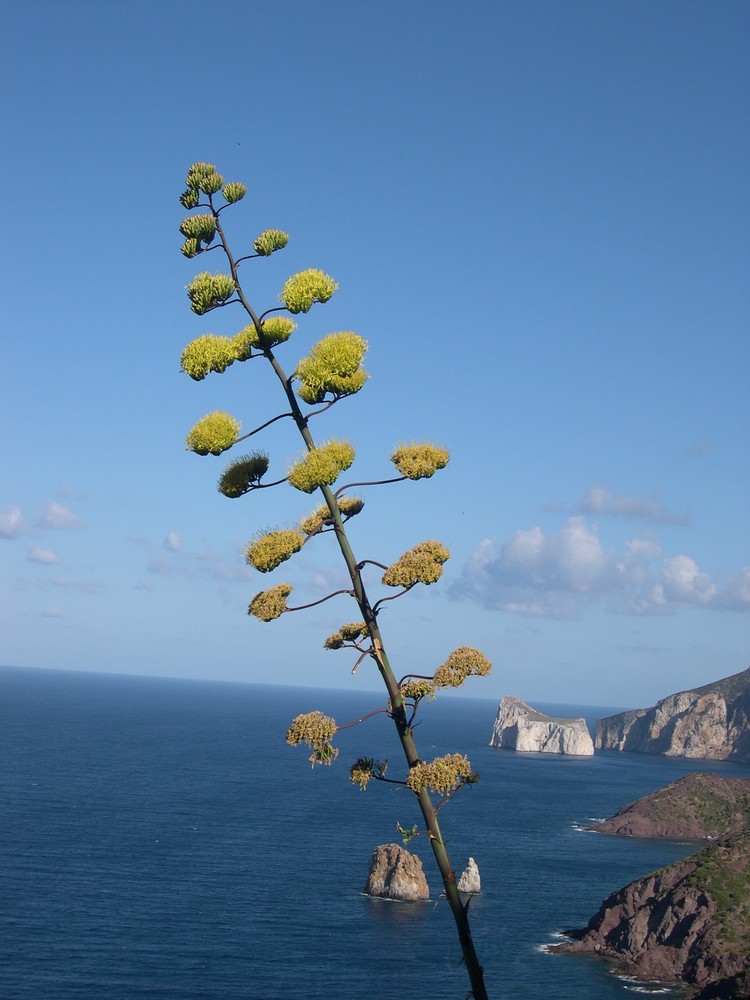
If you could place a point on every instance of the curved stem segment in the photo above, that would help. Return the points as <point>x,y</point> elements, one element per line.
<point>378,653</point>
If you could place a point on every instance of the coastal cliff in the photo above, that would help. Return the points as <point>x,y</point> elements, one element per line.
<point>520,727</point>
<point>710,722</point>
<point>689,922</point>
<point>696,807</point>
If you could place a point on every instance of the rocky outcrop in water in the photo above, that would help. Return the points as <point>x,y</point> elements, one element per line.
<point>470,881</point>
<point>697,807</point>
<point>520,727</point>
<point>689,922</point>
<point>395,873</point>
<point>708,722</point>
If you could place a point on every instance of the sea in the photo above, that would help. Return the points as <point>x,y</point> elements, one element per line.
<point>159,839</point>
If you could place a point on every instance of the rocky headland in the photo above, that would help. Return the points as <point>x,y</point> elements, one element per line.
<point>710,722</point>
<point>688,922</point>
<point>520,727</point>
<point>696,807</point>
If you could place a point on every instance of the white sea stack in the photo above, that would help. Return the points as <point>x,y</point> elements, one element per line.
<point>470,881</point>
<point>520,727</point>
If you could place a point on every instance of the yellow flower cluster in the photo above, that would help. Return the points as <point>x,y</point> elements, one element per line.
<point>317,730</point>
<point>346,634</point>
<point>242,474</point>
<point>442,775</point>
<point>416,689</point>
<point>302,290</point>
<point>271,603</point>
<point>273,548</point>
<point>361,772</point>
<point>209,353</point>
<point>348,507</point>
<point>332,366</point>
<point>421,564</point>
<point>321,466</point>
<point>269,241</point>
<point>462,663</point>
<point>419,461</point>
<point>207,291</point>
<point>213,434</point>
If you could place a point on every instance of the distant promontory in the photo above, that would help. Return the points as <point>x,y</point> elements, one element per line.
<point>520,727</point>
<point>711,722</point>
<point>696,807</point>
<point>688,922</point>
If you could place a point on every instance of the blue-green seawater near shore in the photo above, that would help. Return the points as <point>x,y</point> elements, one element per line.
<point>159,839</point>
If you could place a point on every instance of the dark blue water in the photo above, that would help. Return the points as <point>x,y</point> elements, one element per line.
<point>159,839</point>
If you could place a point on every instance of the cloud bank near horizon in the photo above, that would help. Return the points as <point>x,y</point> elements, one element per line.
<point>558,576</point>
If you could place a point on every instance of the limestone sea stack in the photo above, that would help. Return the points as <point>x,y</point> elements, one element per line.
<point>470,882</point>
<point>520,727</point>
<point>395,873</point>
<point>710,722</point>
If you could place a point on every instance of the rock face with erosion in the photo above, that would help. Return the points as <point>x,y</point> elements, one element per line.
<point>697,807</point>
<point>520,727</point>
<point>395,873</point>
<point>709,722</point>
<point>689,922</point>
<point>470,881</point>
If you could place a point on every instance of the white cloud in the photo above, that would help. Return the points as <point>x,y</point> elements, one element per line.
<point>602,501</point>
<point>11,523</point>
<point>683,583</point>
<point>173,542</point>
<point>57,516</point>
<point>558,576</point>
<point>40,555</point>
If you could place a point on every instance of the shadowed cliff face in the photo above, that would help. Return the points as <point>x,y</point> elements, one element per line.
<point>711,722</point>
<point>688,922</point>
<point>696,807</point>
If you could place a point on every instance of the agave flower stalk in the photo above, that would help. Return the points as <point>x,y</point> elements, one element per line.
<point>331,368</point>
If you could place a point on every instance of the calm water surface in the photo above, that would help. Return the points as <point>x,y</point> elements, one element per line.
<point>160,840</point>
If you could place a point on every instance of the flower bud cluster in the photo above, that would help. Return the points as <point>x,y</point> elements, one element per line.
<point>442,776</point>
<point>302,290</point>
<point>347,634</point>
<point>243,474</point>
<point>271,603</point>
<point>332,366</point>
<point>213,434</point>
<point>365,769</point>
<point>348,507</point>
<point>197,229</point>
<point>462,663</point>
<point>317,731</point>
<point>419,461</point>
<point>207,291</point>
<point>269,241</point>
<point>273,548</point>
<point>233,191</point>
<point>421,564</point>
<point>321,466</point>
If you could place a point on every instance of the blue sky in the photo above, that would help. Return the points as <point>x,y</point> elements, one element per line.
<point>538,217</point>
